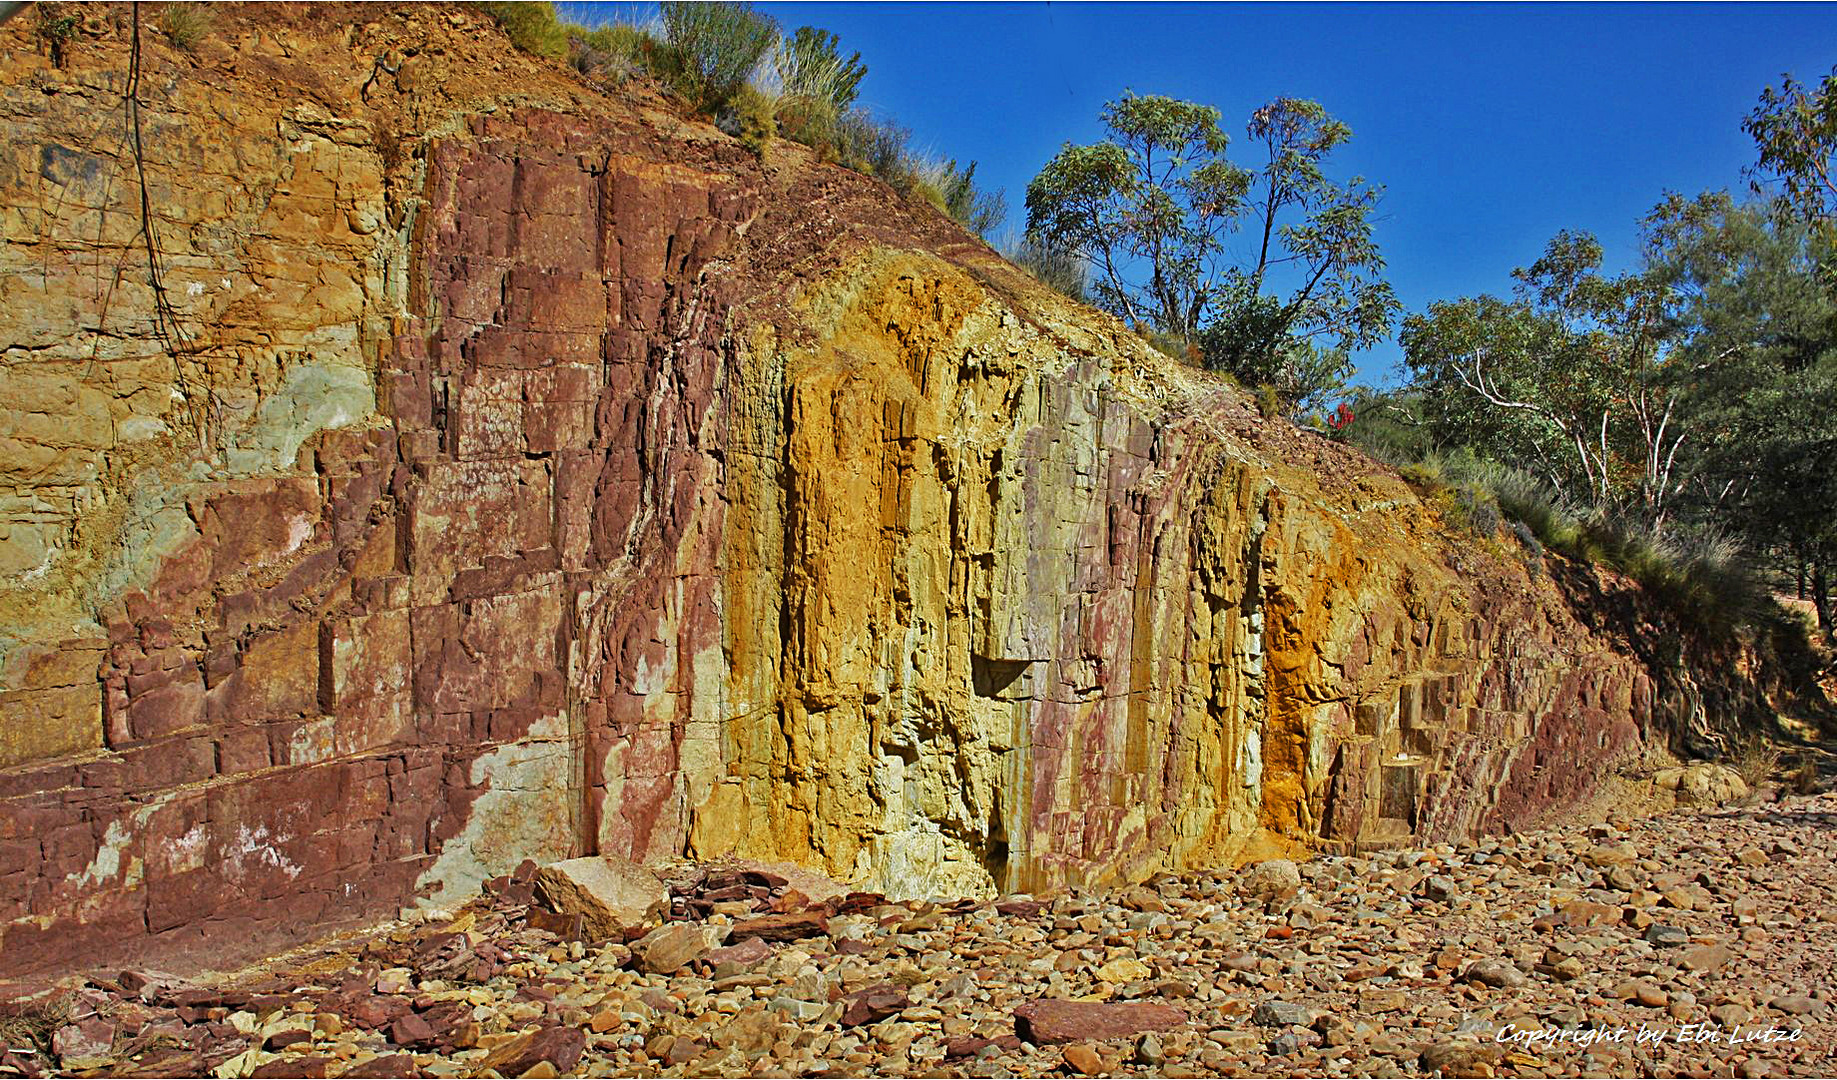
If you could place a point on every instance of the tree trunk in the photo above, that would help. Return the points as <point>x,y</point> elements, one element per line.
<point>1821,592</point>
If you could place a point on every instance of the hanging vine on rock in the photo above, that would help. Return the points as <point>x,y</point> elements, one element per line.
<point>202,414</point>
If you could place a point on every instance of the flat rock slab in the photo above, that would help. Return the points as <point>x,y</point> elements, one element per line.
<point>559,1046</point>
<point>790,927</point>
<point>1084,1021</point>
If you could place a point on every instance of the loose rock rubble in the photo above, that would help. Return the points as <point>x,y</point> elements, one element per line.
<point>1701,943</point>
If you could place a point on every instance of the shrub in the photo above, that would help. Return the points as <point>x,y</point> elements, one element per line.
<point>810,67</point>
<point>715,56</point>
<point>58,27</point>
<point>187,25</point>
<point>978,210</point>
<point>1472,507</point>
<point>813,122</point>
<point>1269,403</point>
<point>1056,269</point>
<point>1168,345</point>
<point>1533,548</point>
<point>876,147</point>
<point>1700,573</point>
<point>1756,759</point>
<point>748,117</point>
<point>613,53</point>
<point>531,26</point>
<point>714,48</point>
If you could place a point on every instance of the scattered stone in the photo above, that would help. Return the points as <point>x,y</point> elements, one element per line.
<point>1083,1060</point>
<point>1149,1051</point>
<point>559,1046</point>
<point>281,1040</point>
<point>312,1067</point>
<point>668,949</point>
<point>1702,784</point>
<point>1282,1013</point>
<point>1494,973</point>
<point>1124,969</point>
<point>873,1004</point>
<point>1367,972</point>
<point>387,1068</point>
<point>1661,934</point>
<point>1440,889</point>
<point>1704,959</point>
<point>1383,1000</point>
<point>730,960</point>
<point>1057,1021</point>
<point>85,1044</point>
<point>1465,1059</point>
<point>793,926</point>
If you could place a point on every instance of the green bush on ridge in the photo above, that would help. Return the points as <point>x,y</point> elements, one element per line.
<point>733,64</point>
<point>1702,574</point>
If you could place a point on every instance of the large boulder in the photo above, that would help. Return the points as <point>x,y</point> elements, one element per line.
<point>1704,783</point>
<point>609,893</point>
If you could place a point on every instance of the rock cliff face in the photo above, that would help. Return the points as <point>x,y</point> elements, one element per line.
<point>505,471</point>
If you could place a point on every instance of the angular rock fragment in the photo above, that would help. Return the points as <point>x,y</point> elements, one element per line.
<point>607,892</point>
<point>1056,1021</point>
<point>737,958</point>
<point>1271,878</point>
<point>787,927</point>
<point>85,1044</point>
<point>388,1068</point>
<point>557,1045</point>
<point>1282,1014</point>
<point>1462,1059</point>
<point>312,1067</point>
<point>668,949</point>
<point>873,1004</point>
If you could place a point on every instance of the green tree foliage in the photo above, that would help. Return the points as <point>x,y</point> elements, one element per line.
<point>1316,235</point>
<point>1670,409</point>
<point>1149,209</point>
<point>1762,352</point>
<point>1574,376</point>
<point>1795,128</point>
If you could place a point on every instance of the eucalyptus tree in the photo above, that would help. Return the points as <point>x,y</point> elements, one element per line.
<point>1268,272</point>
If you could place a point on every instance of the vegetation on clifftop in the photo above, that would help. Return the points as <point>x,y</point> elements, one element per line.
<point>733,64</point>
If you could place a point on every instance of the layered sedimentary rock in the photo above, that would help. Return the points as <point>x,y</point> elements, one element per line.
<point>508,471</point>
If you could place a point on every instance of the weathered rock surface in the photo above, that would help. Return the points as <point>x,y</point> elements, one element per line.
<point>511,472</point>
<point>609,893</point>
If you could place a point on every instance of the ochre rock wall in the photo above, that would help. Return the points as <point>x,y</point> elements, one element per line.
<point>557,479</point>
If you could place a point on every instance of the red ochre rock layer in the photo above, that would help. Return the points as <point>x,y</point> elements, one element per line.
<point>540,474</point>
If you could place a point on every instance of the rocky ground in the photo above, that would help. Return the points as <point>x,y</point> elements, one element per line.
<point>1698,943</point>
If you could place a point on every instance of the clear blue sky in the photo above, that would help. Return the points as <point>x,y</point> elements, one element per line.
<point>1491,127</point>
